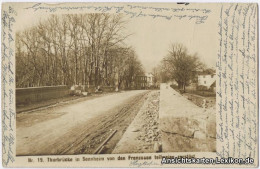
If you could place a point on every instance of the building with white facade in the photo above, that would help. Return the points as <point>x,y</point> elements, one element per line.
<point>206,79</point>
<point>150,79</point>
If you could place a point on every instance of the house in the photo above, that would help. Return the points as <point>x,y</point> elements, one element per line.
<point>150,79</point>
<point>206,79</point>
<point>140,82</point>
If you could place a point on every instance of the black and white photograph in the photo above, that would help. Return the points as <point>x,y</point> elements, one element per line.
<point>129,84</point>
<point>102,83</point>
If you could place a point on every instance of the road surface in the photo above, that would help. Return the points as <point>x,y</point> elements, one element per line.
<point>185,127</point>
<point>79,127</point>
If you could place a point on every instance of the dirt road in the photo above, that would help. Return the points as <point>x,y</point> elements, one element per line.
<point>78,128</point>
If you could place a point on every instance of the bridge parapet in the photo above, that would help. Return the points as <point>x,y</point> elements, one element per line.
<point>37,94</point>
<point>185,127</point>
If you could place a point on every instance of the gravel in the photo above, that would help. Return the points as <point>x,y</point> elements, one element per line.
<point>143,135</point>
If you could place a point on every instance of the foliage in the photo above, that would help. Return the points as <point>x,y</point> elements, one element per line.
<point>180,66</point>
<point>204,93</point>
<point>202,88</point>
<point>75,49</point>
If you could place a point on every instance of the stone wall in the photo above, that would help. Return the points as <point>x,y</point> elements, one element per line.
<point>107,88</point>
<point>199,100</point>
<point>185,127</point>
<point>37,94</point>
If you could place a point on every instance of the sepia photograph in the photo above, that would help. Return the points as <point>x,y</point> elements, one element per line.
<point>101,83</point>
<point>129,84</point>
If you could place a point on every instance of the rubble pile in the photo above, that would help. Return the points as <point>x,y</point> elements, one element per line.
<point>150,133</point>
<point>143,134</point>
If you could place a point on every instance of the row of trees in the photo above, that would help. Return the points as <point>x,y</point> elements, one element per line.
<point>77,49</point>
<point>178,66</point>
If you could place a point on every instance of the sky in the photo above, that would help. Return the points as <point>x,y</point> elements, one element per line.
<point>152,38</point>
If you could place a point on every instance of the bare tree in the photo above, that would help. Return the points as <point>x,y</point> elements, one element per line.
<point>76,48</point>
<point>181,65</point>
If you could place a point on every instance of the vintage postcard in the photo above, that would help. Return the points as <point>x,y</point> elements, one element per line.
<point>129,84</point>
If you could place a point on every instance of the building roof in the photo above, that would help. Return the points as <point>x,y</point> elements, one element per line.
<point>148,74</point>
<point>207,72</point>
<point>213,84</point>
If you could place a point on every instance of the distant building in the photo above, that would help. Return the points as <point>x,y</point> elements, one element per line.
<point>150,79</point>
<point>206,79</point>
<point>140,82</point>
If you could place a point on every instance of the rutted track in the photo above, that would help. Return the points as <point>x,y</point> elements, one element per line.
<point>101,127</point>
<point>85,138</point>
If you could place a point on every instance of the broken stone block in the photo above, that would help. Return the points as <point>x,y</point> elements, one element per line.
<point>78,92</point>
<point>135,130</point>
<point>179,125</point>
<point>150,132</point>
<point>199,135</point>
<point>85,93</point>
<point>157,147</point>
